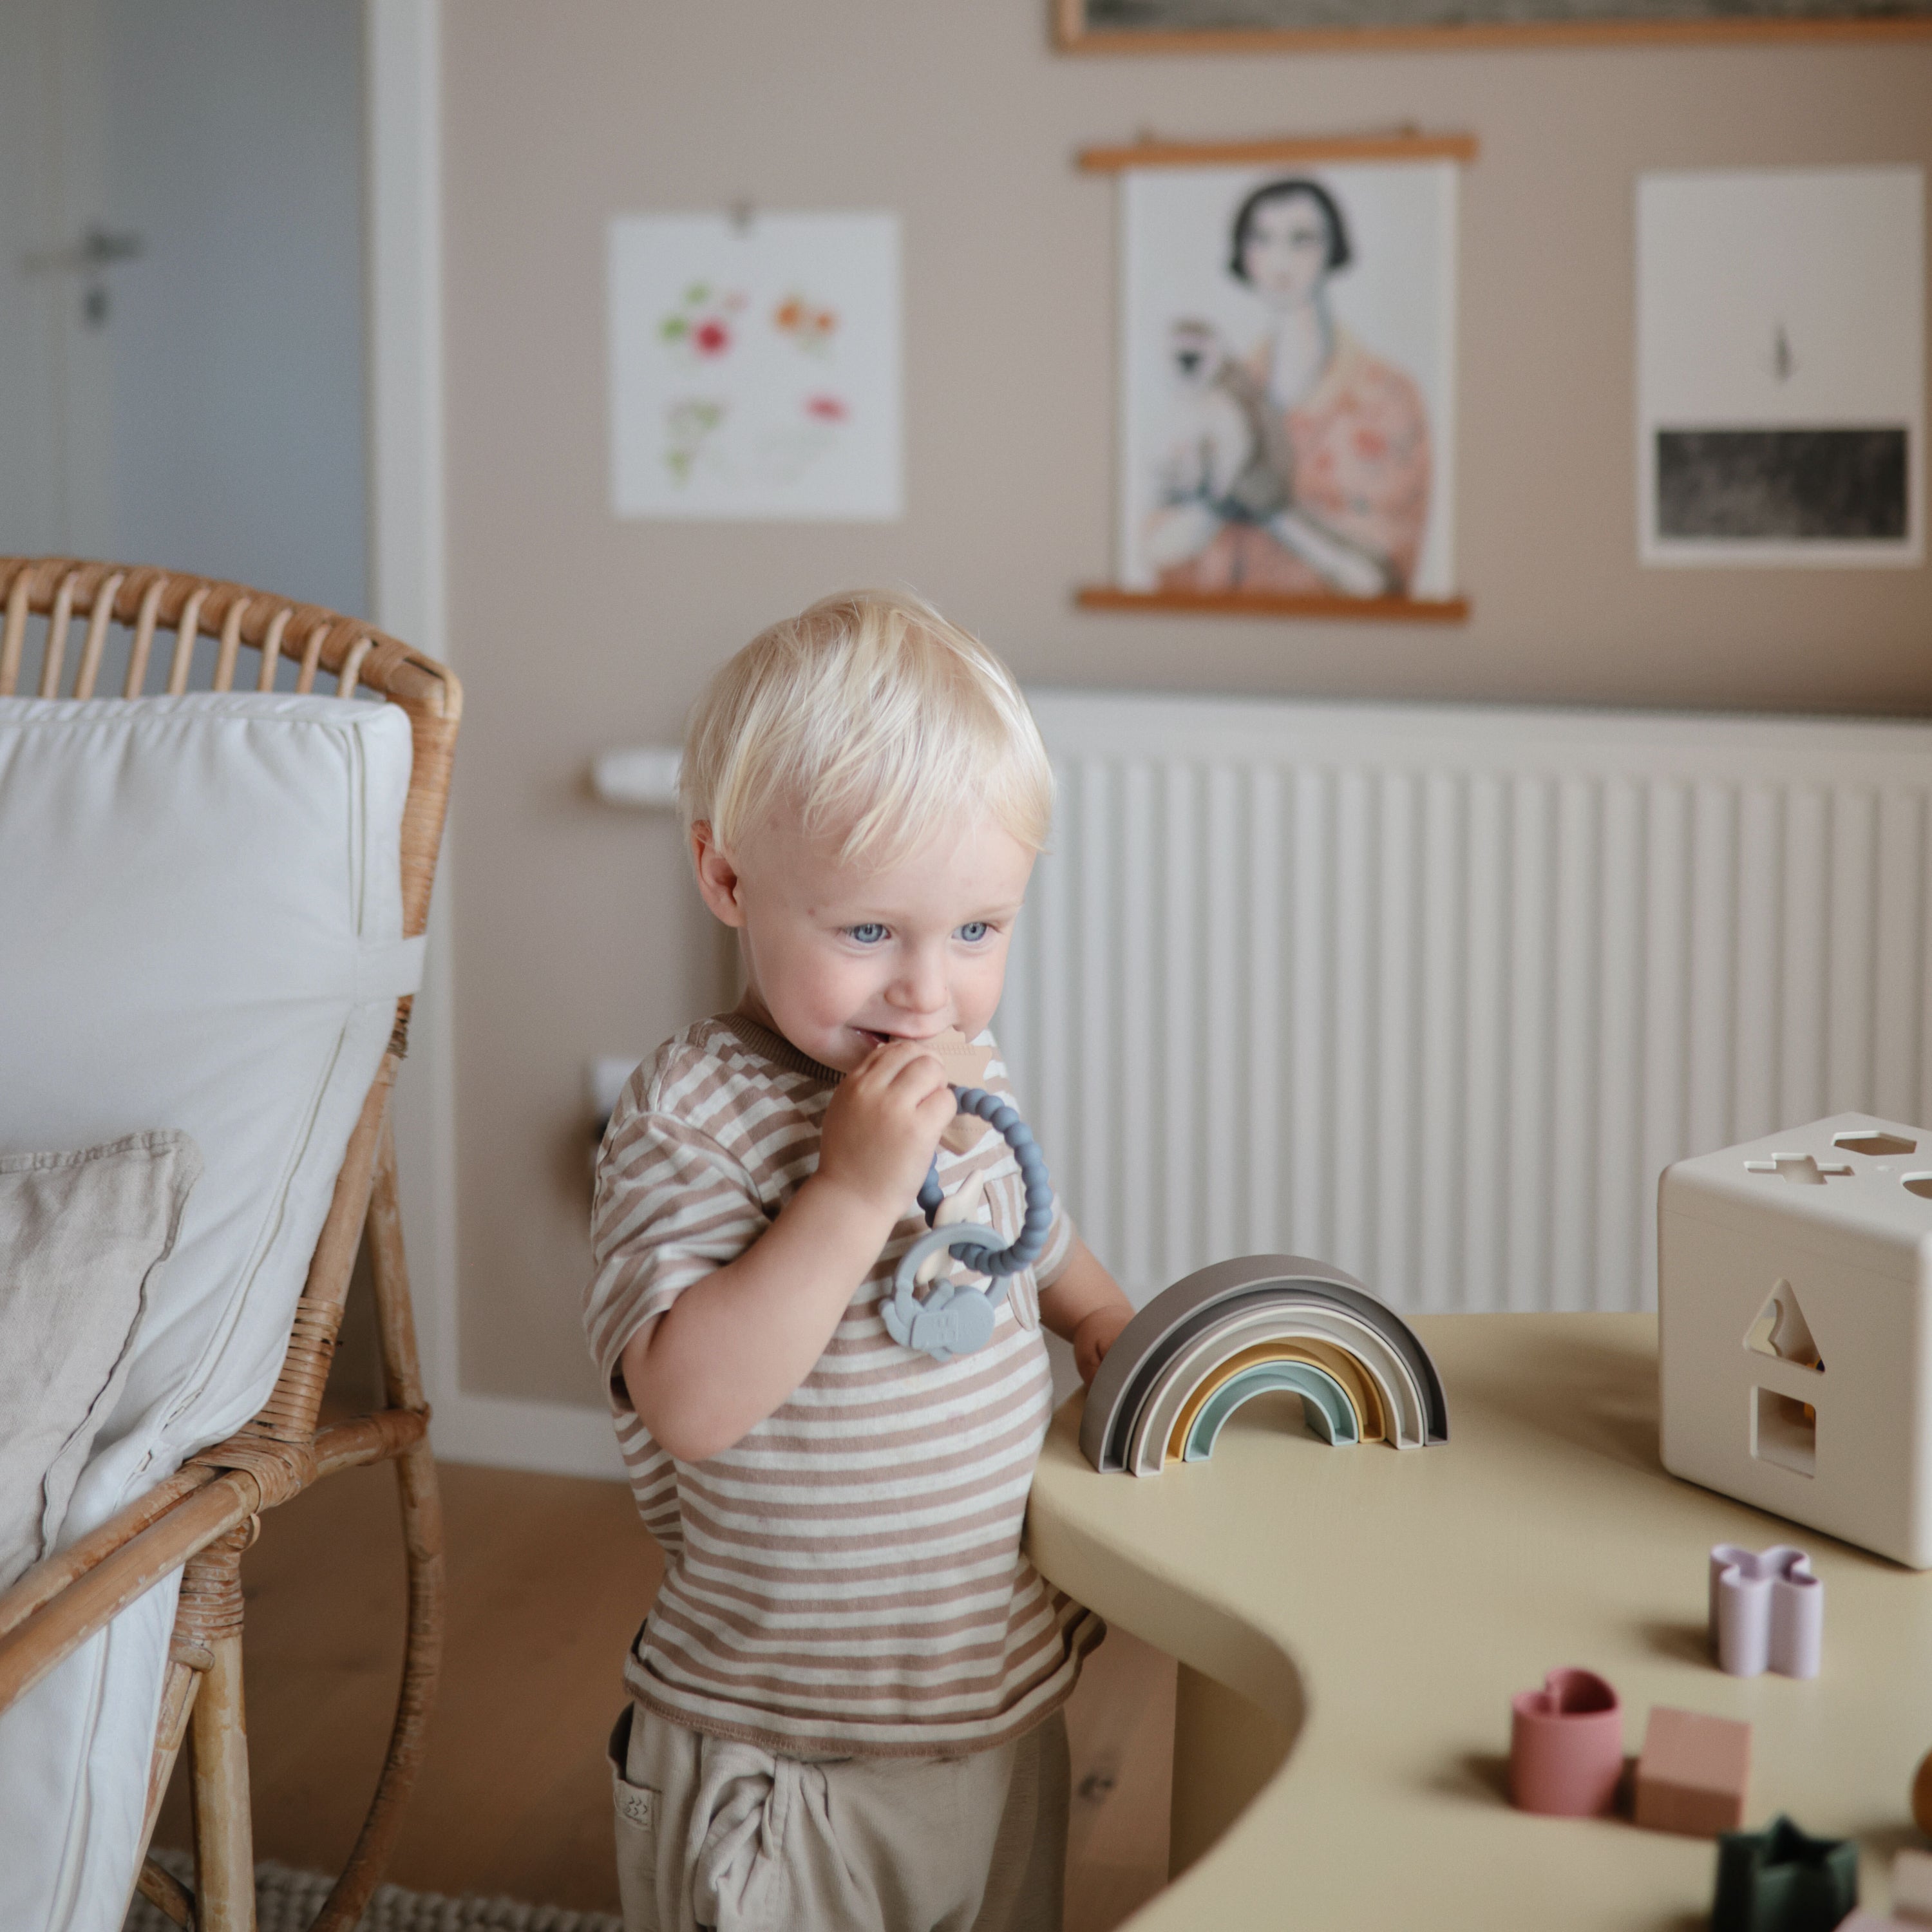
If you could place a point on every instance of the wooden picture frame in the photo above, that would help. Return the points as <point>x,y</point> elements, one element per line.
<point>1074,32</point>
<point>1368,546</point>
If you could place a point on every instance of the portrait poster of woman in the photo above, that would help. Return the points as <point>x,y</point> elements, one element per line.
<point>1289,393</point>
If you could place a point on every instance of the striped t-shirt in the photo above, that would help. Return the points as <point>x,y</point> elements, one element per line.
<point>847,1577</point>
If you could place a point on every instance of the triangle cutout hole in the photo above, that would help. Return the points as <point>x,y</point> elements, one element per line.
<point>1781,1331</point>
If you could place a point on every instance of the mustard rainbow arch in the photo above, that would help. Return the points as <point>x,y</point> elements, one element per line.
<point>1195,1352</point>
<point>1338,1370</point>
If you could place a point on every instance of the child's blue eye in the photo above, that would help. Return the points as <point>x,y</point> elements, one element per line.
<point>870,934</point>
<point>973,930</point>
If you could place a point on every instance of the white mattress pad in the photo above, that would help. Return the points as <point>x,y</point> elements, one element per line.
<point>200,928</point>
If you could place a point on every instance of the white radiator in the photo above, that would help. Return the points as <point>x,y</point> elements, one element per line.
<point>1435,994</point>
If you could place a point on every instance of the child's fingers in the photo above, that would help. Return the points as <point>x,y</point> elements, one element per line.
<point>920,1073</point>
<point>867,1081</point>
<point>900,1083</point>
<point>902,1068</point>
<point>935,1108</point>
<point>886,1061</point>
<point>917,1094</point>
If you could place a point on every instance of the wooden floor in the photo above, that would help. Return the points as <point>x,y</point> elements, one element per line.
<point>549,1578</point>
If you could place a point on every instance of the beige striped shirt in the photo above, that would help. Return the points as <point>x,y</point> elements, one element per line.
<point>847,1577</point>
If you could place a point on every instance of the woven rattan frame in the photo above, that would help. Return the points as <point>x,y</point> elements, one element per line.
<point>201,1519</point>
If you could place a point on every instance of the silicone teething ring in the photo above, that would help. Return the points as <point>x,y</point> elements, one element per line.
<point>925,1325</point>
<point>1004,1118</point>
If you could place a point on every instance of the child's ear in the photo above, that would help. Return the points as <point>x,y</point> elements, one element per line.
<point>718,880</point>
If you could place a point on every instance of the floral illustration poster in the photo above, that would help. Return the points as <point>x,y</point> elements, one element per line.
<point>1287,413</point>
<point>754,367</point>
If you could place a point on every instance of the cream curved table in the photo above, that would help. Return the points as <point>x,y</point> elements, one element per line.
<point>1351,1623</point>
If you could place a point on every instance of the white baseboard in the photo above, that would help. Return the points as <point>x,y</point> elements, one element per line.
<point>555,1438</point>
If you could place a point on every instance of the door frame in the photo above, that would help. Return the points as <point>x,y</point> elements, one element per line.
<point>408,596</point>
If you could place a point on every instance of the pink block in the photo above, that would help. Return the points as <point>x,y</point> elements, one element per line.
<point>1911,1887</point>
<point>1692,1773</point>
<point>1566,1746</point>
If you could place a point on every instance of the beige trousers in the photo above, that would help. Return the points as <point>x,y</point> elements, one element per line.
<point>714,1833</point>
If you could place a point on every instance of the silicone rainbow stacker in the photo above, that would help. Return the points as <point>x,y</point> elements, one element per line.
<point>955,1319</point>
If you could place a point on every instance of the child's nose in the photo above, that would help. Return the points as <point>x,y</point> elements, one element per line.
<point>920,986</point>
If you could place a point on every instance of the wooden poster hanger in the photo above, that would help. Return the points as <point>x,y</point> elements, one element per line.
<point>1402,144</point>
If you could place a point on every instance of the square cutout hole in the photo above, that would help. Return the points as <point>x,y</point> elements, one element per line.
<point>1870,1141</point>
<point>1784,1431</point>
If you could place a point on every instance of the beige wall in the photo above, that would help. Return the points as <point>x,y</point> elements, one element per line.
<point>576,932</point>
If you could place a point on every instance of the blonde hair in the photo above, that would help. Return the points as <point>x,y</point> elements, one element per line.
<point>873,719</point>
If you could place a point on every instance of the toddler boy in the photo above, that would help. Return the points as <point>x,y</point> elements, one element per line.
<point>847,1697</point>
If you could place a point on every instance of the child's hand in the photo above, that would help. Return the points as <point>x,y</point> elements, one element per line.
<point>1083,1305</point>
<point>883,1125</point>
<point>1095,1336</point>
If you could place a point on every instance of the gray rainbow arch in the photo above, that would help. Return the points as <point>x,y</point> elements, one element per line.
<point>1201,1348</point>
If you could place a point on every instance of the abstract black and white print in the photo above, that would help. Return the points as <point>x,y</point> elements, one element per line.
<point>1781,367</point>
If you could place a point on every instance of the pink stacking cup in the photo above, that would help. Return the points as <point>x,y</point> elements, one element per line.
<point>1566,1746</point>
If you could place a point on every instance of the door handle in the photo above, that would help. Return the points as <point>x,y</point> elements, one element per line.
<point>96,249</point>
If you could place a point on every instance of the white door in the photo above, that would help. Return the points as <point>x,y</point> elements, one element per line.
<point>182,311</point>
<point>55,370</point>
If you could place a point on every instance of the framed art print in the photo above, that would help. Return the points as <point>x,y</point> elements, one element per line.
<point>1283,26</point>
<point>1781,367</point>
<point>1287,383</point>
<point>754,367</point>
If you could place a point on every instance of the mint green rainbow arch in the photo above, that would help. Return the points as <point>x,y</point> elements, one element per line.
<point>1324,1404</point>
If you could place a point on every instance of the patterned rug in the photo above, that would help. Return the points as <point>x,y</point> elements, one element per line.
<point>287,1901</point>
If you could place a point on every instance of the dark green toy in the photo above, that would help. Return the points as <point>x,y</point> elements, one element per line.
<point>1780,1879</point>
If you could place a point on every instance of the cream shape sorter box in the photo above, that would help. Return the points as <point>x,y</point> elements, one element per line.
<point>1794,1328</point>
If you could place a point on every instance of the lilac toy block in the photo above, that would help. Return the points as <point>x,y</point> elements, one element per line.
<point>1767,1611</point>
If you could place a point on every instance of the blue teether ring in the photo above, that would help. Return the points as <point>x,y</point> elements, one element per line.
<point>954,1320</point>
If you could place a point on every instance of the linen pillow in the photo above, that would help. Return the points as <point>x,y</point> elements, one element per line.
<point>83,1236</point>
